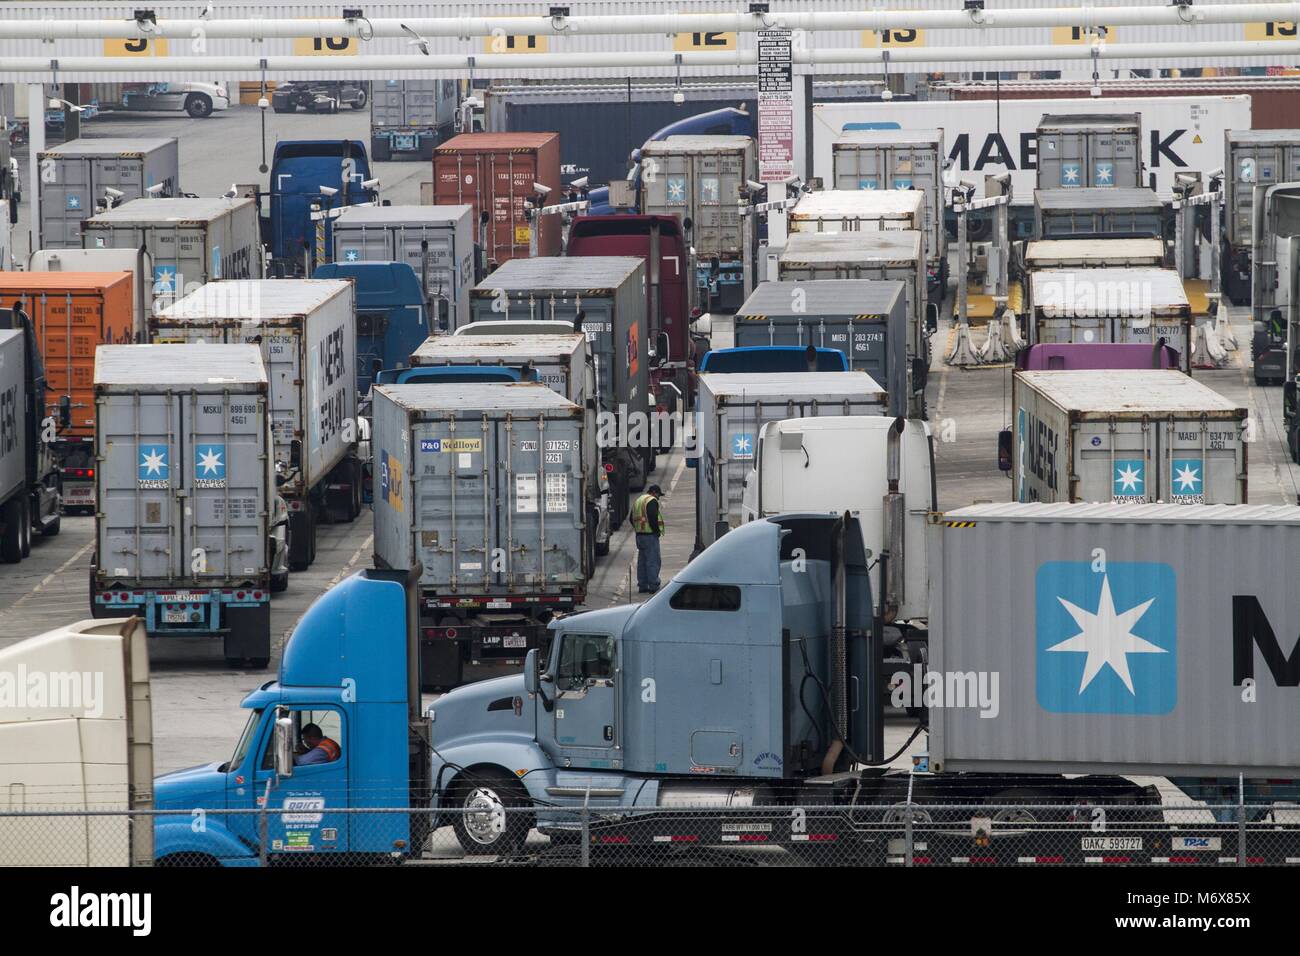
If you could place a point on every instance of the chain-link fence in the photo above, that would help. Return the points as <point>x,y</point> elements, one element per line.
<point>309,832</point>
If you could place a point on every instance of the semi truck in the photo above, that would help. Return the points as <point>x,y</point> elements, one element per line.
<point>29,475</point>
<point>901,159</point>
<point>408,118</point>
<point>604,296</point>
<point>72,313</point>
<point>88,749</point>
<point>1126,436</point>
<point>306,332</point>
<point>1252,158</point>
<point>86,176</point>
<point>185,535</point>
<point>561,362</point>
<point>310,177</point>
<point>482,492</point>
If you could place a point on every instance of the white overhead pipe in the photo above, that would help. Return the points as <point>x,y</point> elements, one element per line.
<point>1083,15</point>
<point>509,63</point>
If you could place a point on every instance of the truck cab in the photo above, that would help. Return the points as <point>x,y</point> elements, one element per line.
<point>304,174</point>
<point>774,359</point>
<point>347,669</point>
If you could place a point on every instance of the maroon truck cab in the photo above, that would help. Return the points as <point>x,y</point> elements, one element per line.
<point>668,303</point>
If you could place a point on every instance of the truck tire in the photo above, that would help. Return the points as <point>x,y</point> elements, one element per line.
<point>360,102</point>
<point>487,812</point>
<point>198,105</point>
<point>27,526</point>
<point>248,640</point>
<point>354,497</point>
<point>311,533</point>
<point>300,534</point>
<point>601,548</point>
<point>11,540</point>
<point>380,150</point>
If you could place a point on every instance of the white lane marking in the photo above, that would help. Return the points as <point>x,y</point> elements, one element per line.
<point>51,576</point>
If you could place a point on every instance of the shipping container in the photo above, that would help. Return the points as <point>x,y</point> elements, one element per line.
<point>863,318</point>
<point>1075,356</point>
<point>731,411</point>
<point>186,487</point>
<point>137,262</point>
<point>13,396</point>
<point>191,241</point>
<point>1110,305</point>
<point>1093,253</point>
<point>848,210</point>
<point>1123,639</point>
<point>893,255</point>
<point>76,176</point>
<point>1251,158</point>
<point>72,314</point>
<point>1098,150</point>
<point>436,241</point>
<point>305,330</point>
<point>1126,436</point>
<point>899,159</point>
<point>494,173</point>
<point>481,487</point>
<point>408,118</point>
<point>1098,214</point>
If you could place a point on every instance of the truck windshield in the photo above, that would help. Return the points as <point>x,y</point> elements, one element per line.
<point>245,740</point>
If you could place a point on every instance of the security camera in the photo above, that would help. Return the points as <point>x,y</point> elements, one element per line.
<point>328,191</point>
<point>541,190</point>
<point>263,103</point>
<point>679,97</point>
<point>886,95</point>
<point>112,193</point>
<point>579,183</point>
<point>156,188</point>
<point>755,186</point>
<point>370,183</point>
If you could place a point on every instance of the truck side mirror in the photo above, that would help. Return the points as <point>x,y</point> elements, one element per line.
<point>1004,450</point>
<point>13,211</point>
<point>663,346</point>
<point>444,315</point>
<point>65,411</point>
<point>530,671</point>
<point>295,453</point>
<point>920,373</point>
<point>283,745</point>
<point>932,316</point>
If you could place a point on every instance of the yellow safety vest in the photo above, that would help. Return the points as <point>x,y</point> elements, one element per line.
<point>641,520</point>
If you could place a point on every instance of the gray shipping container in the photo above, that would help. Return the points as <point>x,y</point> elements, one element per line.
<point>1126,436</point>
<point>863,318</point>
<point>395,234</point>
<point>184,462</point>
<point>191,241</point>
<point>1263,157</point>
<point>13,399</point>
<point>74,176</point>
<point>1102,151</point>
<point>1121,638</point>
<point>1084,213</point>
<point>611,293</point>
<point>700,178</point>
<point>412,104</point>
<point>897,159</point>
<point>732,409</point>
<point>308,334</point>
<point>1111,305</point>
<point>464,473</point>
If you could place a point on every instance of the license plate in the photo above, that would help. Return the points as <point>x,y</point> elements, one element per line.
<point>514,640</point>
<point>175,617</point>
<point>1112,843</point>
<point>84,493</point>
<point>404,142</point>
<point>180,597</point>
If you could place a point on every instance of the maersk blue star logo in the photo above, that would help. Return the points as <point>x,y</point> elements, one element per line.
<point>676,189</point>
<point>1069,174</point>
<point>1105,175</point>
<point>351,255</point>
<point>742,446</point>
<point>151,466</point>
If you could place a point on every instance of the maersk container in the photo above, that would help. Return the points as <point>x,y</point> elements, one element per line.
<point>1126,436</point>
<point>1122,639</point>
<point>481,486</point>
<point>75,176</point>
<point>700,178</point>
<point>861,210</point>
<point>408,117</point>
<point>1097,213</point>
<point>306,330</point>
<point>185,487</point>
<point>436,241</point>
<point>1110,305</point>
<point>863,318</point>
<point>898,159</point>
<point>730,412</point>
<point>1252,158</point>
<point>1093,253</point>
<point>1100,150</point>
<point>191,241</point>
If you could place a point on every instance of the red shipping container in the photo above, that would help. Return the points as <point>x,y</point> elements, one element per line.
<point>494,173</point>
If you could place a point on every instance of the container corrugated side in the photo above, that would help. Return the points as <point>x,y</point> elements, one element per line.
<point>1191,595</point>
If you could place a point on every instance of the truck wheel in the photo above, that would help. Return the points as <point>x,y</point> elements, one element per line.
<point>11,541</point>
<point>198,105</point>
<point>380,151</point>
<point>279,583</point>
<point>487,813</point>
<point>299,546</point>
<point>360,102</point>
<point>354,498</point>
<point>248,640</point>
<point>311,533</point>
<point>27,526</point>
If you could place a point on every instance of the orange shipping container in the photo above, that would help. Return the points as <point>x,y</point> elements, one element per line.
<point>495,172</point>
<point>72,313</point>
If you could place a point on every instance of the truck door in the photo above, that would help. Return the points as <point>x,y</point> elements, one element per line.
<point>305,815</point>
<point>586,703</point>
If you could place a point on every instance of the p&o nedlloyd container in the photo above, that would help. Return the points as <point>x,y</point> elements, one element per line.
<point>1126,436</point>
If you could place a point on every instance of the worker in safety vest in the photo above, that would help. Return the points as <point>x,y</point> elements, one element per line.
<point>648,523</point>
<point>316,747</point>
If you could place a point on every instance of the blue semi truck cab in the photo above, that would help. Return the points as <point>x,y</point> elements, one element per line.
<point>306,175</point>
<point>392,315</point>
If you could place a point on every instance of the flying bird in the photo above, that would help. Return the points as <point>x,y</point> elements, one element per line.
<point>416,39</point>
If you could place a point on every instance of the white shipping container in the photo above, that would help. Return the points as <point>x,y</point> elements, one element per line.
<point>1093,253</point>
<point>859,210</point>
<point>1126,436</point>
<point>307,332</point>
